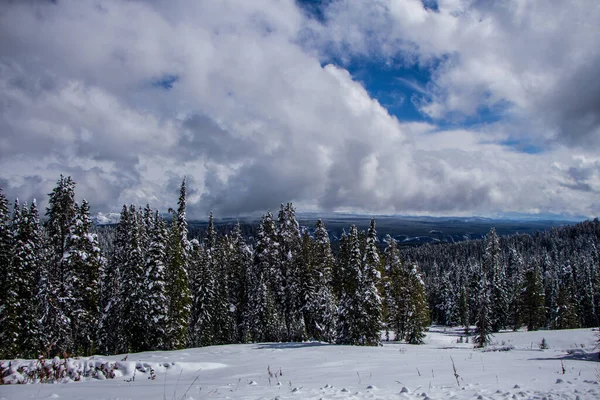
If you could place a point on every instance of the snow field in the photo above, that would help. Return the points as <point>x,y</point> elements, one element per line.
<point>319,371</point>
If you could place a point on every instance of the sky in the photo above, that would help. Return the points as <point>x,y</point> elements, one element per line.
<point>448,107</point>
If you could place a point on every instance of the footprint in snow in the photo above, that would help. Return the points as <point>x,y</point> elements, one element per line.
<point>252,383</point>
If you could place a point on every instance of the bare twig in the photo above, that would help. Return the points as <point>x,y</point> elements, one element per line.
<point>455,373</point>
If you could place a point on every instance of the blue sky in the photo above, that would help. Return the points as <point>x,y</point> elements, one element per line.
<point>448,107</point>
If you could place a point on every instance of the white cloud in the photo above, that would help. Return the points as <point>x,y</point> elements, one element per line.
<point>253,118</point>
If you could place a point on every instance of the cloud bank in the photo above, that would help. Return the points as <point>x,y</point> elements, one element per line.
<point>244,99</point>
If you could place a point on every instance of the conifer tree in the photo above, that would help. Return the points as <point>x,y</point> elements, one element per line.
<point>240,261</point>
<point>177,287</point>
<point>494,269</point>
<point>11,308</point>
<point>60,279</point>
<point>484,318</point>
<point>201,331</point>
<point>5,273</point>
<point>320,303</point>
<point>371,300</point>
<point>418,311</point>
<point>85,261</point>
<point>533,298</point>
<point>133,289</point>
<point>224,326</point>
<point>29,259</point>
<point>290,301</point>
<point>112,339</point>
<point>349,307</point>
<point>262,318</point>
<point>155,270</point>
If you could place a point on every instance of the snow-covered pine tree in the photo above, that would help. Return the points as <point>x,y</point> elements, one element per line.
<point>201,332</point>
<point>350,308</point>
<point>5,251</point>
<point>418,311</point>
<point>155,270</point>
<point>484,317</point>
<point>60,278</point>
<point>133,290</point>
<point>566,312</point>
<point>12,304</point>
<point>263,322</point>
<point>396,298</point>
<point>28,254</point>
<point>240,260</point>
<point>290,302</point>
<point>533,297</point>
<point>111,338</point>
<point>85,260</point>
<point>371,300</point>
<point>320,303</point>
<point>224,327</point>
<point>337,273</point>
<point>515,278</point>
<point>494,269</point>
<point>178,290</point>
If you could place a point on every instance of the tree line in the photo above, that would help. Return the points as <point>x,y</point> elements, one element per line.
<point>68,289</point>
<point>549,280</point>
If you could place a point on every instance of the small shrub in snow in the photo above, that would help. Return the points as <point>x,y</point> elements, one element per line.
<point>544,344</point>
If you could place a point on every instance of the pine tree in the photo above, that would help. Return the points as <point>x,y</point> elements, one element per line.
<point>112,339</point>
<point>177,287</point>
<point>10,318</point>
<point>533,298</point>
<point>495,272</point>
<point>5,274</point>
<point>240,260</point>
<point>371,319</point>
<point>350,307</point>
<point>133,289</point>
<point>224,325</point>
<point>85,261</point>
<point>290,301</point>
<point>60,279</point>
<point>201,331</point>
<point>262,318</point>
<point>29,262</point>
<point>484,317</point>
<point>155,282</point>
<point>320,304</point>
<point>418,311</point>
<point>397,295</point>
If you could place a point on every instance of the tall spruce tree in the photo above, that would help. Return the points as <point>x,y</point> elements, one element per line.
<point>5,272</point>
<point>240,261</point>
<point>290,302</point>
<point>133,289</point>
<point>264,322</point>
<point>111,336</point>
<point>61,278</point>
<point>350,307</point>
<point>533,297</point>
<point>202,285</point>
<point>86,262</point>
<point>155,282</point>
<point>177,286</point>
<point>320,303</point>
<point>371,300</point>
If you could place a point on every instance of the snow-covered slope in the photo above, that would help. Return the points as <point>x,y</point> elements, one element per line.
<point>320,371</point>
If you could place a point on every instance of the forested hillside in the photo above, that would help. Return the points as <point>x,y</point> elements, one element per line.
<point>146,285</point>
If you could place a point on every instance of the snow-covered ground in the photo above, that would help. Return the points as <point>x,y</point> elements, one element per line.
<point>319,371</point>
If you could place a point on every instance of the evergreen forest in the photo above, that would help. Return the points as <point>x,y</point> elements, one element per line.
<point>68,288</point>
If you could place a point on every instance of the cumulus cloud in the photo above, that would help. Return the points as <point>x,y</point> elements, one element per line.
<point>253,114</point>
